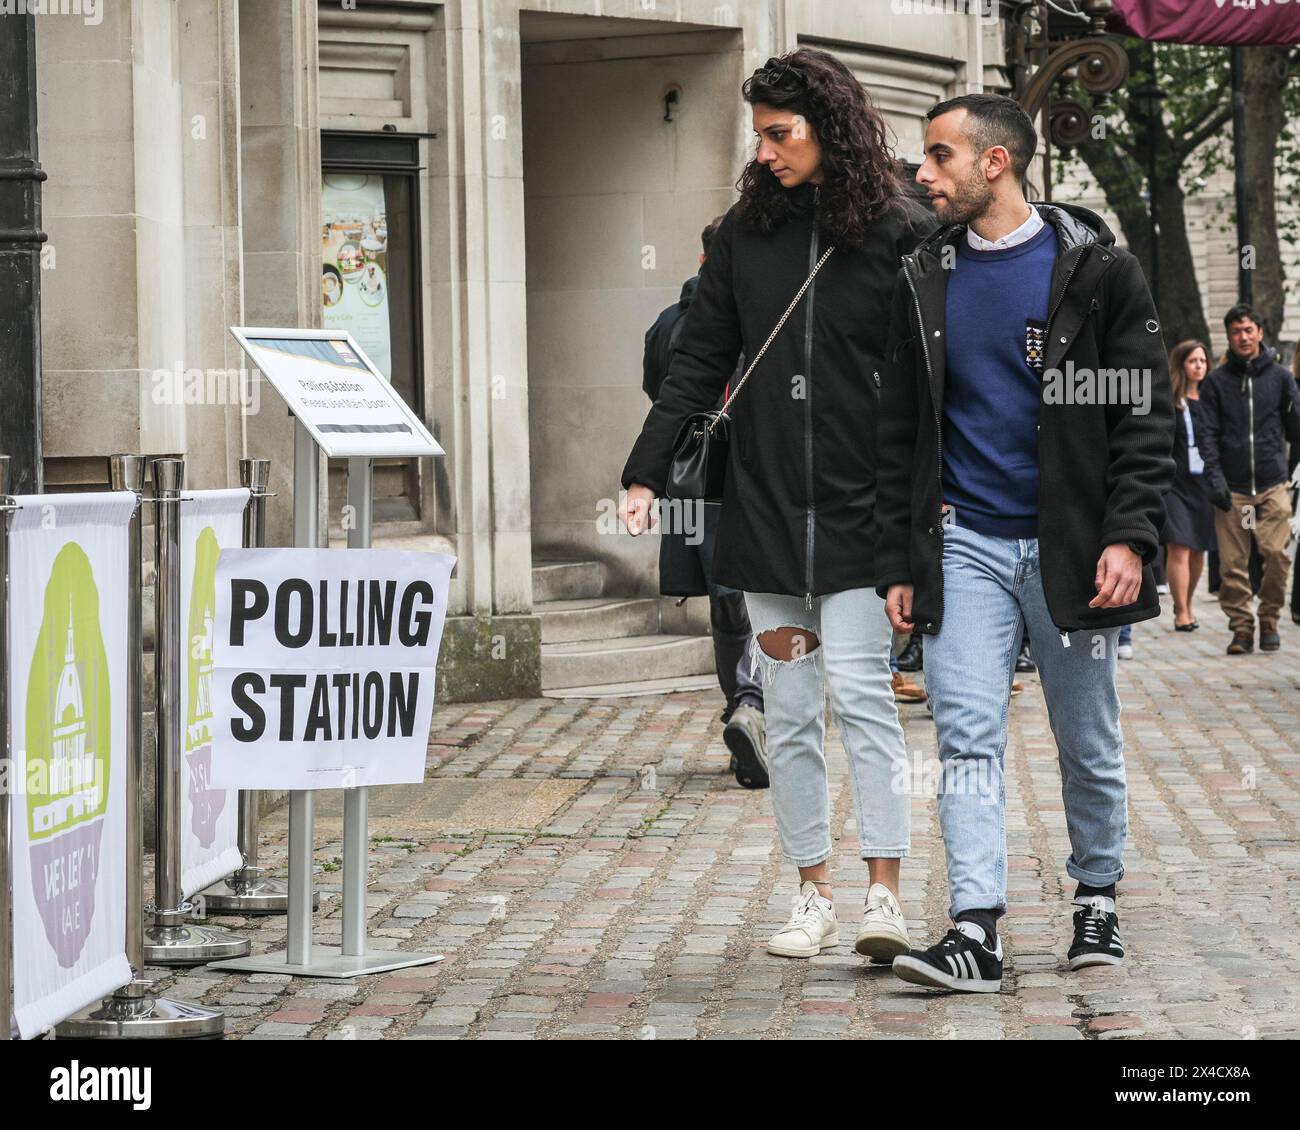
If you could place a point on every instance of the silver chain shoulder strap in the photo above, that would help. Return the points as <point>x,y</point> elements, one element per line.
<point>771,337</point>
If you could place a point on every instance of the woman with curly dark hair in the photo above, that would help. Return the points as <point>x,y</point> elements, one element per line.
<point>822,205</point>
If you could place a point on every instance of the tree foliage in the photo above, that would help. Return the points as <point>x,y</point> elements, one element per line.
<point>1187,143</point>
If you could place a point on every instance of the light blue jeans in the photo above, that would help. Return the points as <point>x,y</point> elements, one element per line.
<point>993,587</point>
<point>853,657</point>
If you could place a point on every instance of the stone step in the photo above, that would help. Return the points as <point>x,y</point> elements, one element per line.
<point>641,687</point>
<point>421,543</point>
<point>586,663</point>
<point>566,580</point>
<point>597,618</point>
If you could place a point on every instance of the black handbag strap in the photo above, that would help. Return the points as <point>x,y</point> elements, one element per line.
<point>771,337</point>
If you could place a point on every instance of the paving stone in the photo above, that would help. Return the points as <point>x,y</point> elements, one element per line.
<point>616,911</point>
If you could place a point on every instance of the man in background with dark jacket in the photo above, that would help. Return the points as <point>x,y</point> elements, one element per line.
<point>1250,411</point>
<point>1024,449</point>
<point>686,568</point>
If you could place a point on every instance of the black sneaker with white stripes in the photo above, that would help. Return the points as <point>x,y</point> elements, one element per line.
<point>1096,933</point>
<point>961,961</point>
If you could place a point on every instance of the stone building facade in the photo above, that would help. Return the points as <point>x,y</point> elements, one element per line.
<point>532,175</point>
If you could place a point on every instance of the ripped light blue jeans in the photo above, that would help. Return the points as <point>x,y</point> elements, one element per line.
<point>853,657</point>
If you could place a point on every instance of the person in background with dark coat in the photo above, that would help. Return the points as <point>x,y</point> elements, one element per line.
<point>686,567</point>
<point>1250,412</point>
<point>796,529</point>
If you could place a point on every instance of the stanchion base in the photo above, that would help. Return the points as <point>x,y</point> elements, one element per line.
<point>143,1018</point>
<point>329,961</point>
<point>271,896</point>
<point>191,944</point>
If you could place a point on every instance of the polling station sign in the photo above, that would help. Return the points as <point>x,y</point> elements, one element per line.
<point>323,666</point>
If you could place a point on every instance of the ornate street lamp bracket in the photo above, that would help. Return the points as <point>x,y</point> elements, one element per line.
<point>1102,66</point>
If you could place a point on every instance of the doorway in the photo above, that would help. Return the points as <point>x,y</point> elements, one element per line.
<point>633,136</point>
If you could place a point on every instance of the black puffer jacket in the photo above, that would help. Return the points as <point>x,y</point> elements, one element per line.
<point>1103,469</point>
<point>797,507</point>
<point>1250,410</point>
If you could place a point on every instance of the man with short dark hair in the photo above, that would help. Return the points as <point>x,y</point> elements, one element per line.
<point>1024,449</point>
<point>1250,411</point>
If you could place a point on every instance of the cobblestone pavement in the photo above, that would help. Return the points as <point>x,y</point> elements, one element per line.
<point>591,869</point>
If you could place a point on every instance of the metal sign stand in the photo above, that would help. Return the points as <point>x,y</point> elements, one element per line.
<point>132,1012</point>
<point>171,940</point>
<point>302,958</point>
<point>249,890</point>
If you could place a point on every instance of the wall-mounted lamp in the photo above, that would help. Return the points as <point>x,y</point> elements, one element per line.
<point>671,99</point>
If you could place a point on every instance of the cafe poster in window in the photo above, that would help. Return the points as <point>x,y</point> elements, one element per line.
<point>354,279</point>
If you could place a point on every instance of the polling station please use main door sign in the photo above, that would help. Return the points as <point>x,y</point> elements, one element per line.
<point>337,393</point>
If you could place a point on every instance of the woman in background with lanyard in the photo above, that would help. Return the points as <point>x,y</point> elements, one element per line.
<point>1189,519</point>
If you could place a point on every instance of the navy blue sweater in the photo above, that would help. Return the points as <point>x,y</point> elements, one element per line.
<point>996,321</point>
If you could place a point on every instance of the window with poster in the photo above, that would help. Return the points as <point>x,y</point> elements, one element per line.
<point>370,283</point>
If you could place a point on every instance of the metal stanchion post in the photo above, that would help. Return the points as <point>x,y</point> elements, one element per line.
<point>302,802</point>
<point>171,940</point>
<point>6,880</point>
<point>249,890</point>
<point>298,955</point>
<point>303,959</point>
<point>132,1011</point>
<point>356,801</point>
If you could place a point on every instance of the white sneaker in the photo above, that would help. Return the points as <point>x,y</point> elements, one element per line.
<point>1124,651</point>
<point>884,931</point>
<point>811,929</point>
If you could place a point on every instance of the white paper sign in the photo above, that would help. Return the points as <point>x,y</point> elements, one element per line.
<point>337,392</point>
<point>324,666</point>
<point>211,520</point>
<point>67,692</point>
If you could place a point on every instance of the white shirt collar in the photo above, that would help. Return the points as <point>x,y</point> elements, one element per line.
<point>1025,232</point>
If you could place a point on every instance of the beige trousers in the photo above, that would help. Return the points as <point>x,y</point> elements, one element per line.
<point>1269,513</point>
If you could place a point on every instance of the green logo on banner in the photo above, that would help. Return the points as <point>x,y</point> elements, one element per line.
<point>206,803</point>
<point>69,737</point>
<point>68,711</point>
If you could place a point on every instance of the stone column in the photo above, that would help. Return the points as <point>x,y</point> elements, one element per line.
<point>279,144</point>
<point>114,312</point>
<point>20,266</point>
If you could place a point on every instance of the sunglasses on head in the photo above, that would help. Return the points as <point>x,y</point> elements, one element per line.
<point>777,72</point>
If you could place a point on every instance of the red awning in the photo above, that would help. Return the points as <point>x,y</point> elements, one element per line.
<point>1223,23</point>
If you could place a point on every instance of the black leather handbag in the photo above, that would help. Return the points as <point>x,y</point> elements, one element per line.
<point>701,450</point>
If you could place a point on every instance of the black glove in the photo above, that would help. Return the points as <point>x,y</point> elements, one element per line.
<point>1222,499</point>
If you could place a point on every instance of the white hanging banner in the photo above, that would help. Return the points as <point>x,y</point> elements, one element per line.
<point>68,556</point>
<point>325,664</point>
<point>211,520</point>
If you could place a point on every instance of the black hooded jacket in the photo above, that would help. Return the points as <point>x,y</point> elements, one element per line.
<point>1250,410</point>
<point>797,506</point>
<point>662,337</point>
<point>1103,468</point>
